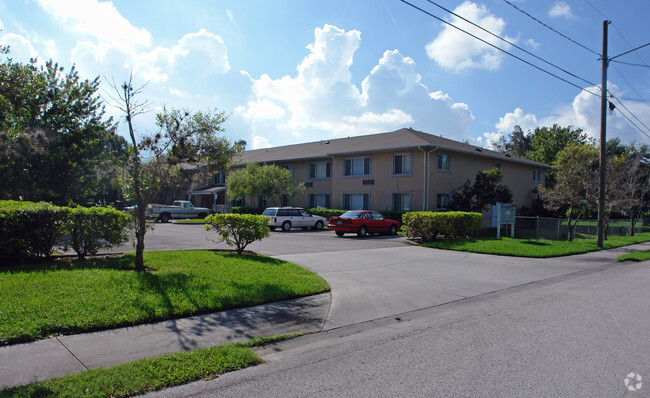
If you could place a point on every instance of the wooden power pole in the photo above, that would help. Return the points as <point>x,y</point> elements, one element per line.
<point>603,142</point>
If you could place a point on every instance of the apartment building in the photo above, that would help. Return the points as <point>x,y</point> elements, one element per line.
<point>400,170</point>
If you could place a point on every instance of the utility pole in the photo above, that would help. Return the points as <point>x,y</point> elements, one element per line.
<point>603,142</point>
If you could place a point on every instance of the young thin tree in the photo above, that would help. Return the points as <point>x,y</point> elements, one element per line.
<point>575,183</point>
<point>154,160</point>
<point>628,185</point>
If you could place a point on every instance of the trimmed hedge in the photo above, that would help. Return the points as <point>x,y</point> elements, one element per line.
<point>30,230</point>
<point>96,228</point>
<point>247,210</point>
<point>428,225</point>
<point>238,230</point>
<point>327,213</point>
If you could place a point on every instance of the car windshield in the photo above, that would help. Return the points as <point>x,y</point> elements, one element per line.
<point>304,213</point>
<point>352,214</point>
<point>269,212</point>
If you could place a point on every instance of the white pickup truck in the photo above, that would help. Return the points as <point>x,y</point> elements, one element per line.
<point>180,209</point>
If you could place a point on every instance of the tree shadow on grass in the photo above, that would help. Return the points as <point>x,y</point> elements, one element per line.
<point>123,262</point>
<point>535,243</point>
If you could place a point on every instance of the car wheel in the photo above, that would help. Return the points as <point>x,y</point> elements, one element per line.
<point>393,230</point>
<point>164,217</point>
<point>272,228</point>
<point>362,232</point>
<point>318,226</point>
<point>286,226</point>
<point>340,233</point>
<point>202,215</point>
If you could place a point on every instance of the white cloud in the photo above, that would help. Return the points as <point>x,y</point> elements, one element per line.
<point>230,16</point>
<point>561,9</point>
<point>453,49</point>
<point>532,43</point>
<point>20,48</point>
<point>583,113</point>
<point>100,20</point>
<point>260,142</point>
<point>321,101</point>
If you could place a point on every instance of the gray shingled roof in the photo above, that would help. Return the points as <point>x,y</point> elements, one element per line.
<point>396,140</point>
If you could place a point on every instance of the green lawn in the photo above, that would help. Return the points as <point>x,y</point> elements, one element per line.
<point>643,255</point>
<point>534,248</point>
<point>147,375</point>
<point>190,221</point>
<point>73,297</point>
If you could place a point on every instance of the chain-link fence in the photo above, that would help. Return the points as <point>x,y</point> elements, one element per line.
<point>557,228</point>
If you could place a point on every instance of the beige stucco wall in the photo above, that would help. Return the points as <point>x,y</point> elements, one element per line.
<point>519,177</point>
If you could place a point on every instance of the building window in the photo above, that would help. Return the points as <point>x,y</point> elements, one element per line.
<point>219,178</point>
<point>402,164</point>
<point>442,201</point>
<point>354,201</point>
<point>320,170</point>
<point>357,167</point>
<point>288,167</point>
<point>401,201</point>
<point>444,163</point>
<point>537,175</point>
<point>319,200</point>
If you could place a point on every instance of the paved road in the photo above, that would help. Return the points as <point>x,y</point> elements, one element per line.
<point>574,336</point>
<point>173,236</point>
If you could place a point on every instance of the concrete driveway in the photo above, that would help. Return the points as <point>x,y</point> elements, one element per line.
<point>382,276</point>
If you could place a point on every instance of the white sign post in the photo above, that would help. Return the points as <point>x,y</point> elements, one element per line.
<point>505,215</point>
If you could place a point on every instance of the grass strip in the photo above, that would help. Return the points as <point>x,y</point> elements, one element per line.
<point>190,221</point>
<point>535,248</point>
<point>67,297</point>
<point>643,255</point>
<point>147,375</point>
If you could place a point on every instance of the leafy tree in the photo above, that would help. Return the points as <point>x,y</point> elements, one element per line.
<point>485,191</point>
<point>55,142</point>
<point>575,185</point>
<point>628,184</point>
<point>238,230</point>
<point>154,159</point>
<point>546,143</point>
<point>269,180</point>
<point>517,144</point>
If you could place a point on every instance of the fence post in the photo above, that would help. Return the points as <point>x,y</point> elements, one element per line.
<point>537,229</point>
<point>558,228</point>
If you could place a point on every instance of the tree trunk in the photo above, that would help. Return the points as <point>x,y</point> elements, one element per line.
<point>632,225</point>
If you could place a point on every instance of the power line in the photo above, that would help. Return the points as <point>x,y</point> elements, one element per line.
<point>498,48</point>
<point>631,64</point>
<point>630,112</point>
<point>630,120</point>
<point>632,50</point>
<point>554,30</point>
<point>509,42</point>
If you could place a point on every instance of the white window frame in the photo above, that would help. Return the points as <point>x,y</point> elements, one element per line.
<point>325,162</point>
<point>443,169</point>
<point>311,199</point>
<point>365,201</point>
<point>364,172</point>
<point>402,194</point>
<point>408,161</point>
<point>438,194</point>
<point>537,175</point>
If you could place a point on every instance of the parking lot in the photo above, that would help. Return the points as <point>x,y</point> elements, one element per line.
<point>177,236</point>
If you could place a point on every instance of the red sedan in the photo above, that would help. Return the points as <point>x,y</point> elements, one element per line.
<point>362,222</point>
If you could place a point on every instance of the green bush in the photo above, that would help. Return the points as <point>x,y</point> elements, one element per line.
<point>394,215</point>
<point>95,228</point>
<point>238,230</point>
<point>428,225</point>
<point>327,213</point>
<point>28,229</point>
<point>246,210</point>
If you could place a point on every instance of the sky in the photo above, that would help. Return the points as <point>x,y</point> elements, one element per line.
<point>292,71</point>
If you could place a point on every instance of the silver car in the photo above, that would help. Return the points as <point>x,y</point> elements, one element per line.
<point>293,217</point>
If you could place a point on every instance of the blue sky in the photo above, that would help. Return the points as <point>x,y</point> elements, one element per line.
<point>298,71</point>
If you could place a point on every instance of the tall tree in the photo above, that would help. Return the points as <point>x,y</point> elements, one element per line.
<point>183,137</point>
<point>547,142</point>
<point>628,183</point>
<point>269,180</point>
<point>575,184</point>
<point>55,142</point>
<point>486,190</point>
<point>517,144</point>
